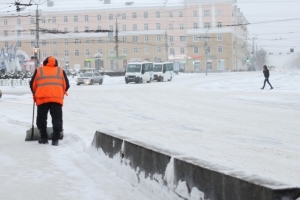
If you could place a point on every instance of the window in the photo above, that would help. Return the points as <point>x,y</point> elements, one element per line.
<point>53,19</point>
<point>31,32</point>
<point>65,18</point>
<point>158,50</point>
<point>219,24</point>
<point>5,33</point>
<point>19,21</point>
<point>158,38</point>
<point>99,17</point>
<point>134,27</point>
<point>134,38</point>
<point>220,37</point>
<point>207,25</point>
<point>181,50</point>
<point>87,52</point>
<point>43,42</point>
<point>110,16</point>
<point>157,26</point>
<point>76,29</point>
<point>20,44</point>
<point>134,15</point>
<point>170,14</point>
<point>180,14</point>
<point>124,51</point>
<point>54,42</point>
<point>100,51</point>
<point>99,28</point>
<point>206,13</point>
<point>76,53</point>
<point>171,39</point>
<point>55,53</point>
<point>146,38</point>
<point>195,39</point>
<point>123,27</point>
<point>207,49</point>
<point>86,18</point>
<point>145,14</point>
<point>195,25</point>
<point>124,39</point>
<point>111,28</point>
<point>182,38</point>
<point>31,20</point>
<point>145,26</point>
<point>66,53</point>
<point>170,26</point>
<point>6,44</point>
<point>123,15</point>
<point>219,12</point>
<point>146,50</point>
<point>76,41</point>
<point>111,40</point>
<point>196,50</point>
<point>172,52</point>
<point>195,13</point>
<point>135,50</point>
<point>43,20</point>
<point>111,52</point>
<point>99,40</point>
<point>86,29</point>
<point>181,27</point>
<point>19,33</point>
<point>65,30</point>
<point>5,22</point>
<point>32,43</point>
<point>66,41</point>
<point>44,54</point>
<point>157,14</point>
<point>220,49</point>
<point>75,18</point>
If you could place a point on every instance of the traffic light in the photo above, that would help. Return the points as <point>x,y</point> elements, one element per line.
<point>292,50</point>
<point>35,52</point>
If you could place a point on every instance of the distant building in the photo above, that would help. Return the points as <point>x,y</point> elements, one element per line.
<point>174,30</point>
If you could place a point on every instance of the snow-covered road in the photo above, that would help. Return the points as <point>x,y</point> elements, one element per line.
<point>224,120</point>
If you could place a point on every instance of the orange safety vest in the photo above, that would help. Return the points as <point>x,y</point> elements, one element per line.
<point>49,85</point>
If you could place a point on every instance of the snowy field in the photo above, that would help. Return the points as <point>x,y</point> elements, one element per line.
<point>224,120</point>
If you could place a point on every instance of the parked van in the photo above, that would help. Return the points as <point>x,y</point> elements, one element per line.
<point>139,72</point>
<point>163,71</point>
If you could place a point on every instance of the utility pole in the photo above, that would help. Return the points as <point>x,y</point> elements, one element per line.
<point>252,59</point>
<point>167,47</point>
<point>117,42</point>
<point>37,27</point>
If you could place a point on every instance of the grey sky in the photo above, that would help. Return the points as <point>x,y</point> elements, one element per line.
<point>277,36</point>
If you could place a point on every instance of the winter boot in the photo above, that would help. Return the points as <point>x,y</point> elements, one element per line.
<point>44,138</point>
<point>55,137</point>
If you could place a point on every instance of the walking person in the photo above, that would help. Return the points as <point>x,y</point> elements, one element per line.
<point>267,75</point>
<point>49,84</point>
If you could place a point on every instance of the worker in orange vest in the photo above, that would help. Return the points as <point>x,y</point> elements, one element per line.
<point>49,84</point>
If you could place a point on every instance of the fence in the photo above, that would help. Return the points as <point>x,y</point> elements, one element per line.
<point>13,82</point>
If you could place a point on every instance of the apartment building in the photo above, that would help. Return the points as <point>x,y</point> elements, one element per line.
<point>109,34</point>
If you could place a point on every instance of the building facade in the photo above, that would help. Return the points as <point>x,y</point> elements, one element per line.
<point>107,35</point>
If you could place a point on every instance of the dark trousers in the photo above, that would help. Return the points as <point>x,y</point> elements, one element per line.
<point>267,80</point>
<point>56,115</point>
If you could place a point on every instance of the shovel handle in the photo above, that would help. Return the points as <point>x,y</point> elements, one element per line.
<point>32,129</point>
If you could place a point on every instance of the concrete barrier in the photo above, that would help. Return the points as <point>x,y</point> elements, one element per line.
<point>214,185</point>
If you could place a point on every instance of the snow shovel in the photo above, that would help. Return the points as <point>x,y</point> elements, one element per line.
<point>33,134</point>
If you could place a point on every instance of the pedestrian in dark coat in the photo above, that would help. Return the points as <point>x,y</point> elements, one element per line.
<point>49,84</point>
<point>266,75</point>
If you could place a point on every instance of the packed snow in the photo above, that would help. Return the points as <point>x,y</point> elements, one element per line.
<point>223,120</point>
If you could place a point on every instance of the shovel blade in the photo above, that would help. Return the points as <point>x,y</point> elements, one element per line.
<point>34,134</point>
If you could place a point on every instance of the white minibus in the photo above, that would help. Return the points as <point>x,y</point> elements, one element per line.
<point>163,71</point>
<point>139,72</point>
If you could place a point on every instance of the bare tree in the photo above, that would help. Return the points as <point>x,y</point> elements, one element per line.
<point>260,58</point>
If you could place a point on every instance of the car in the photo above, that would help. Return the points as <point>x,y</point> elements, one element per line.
<point>0,93</point>
<point>89,78</point>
